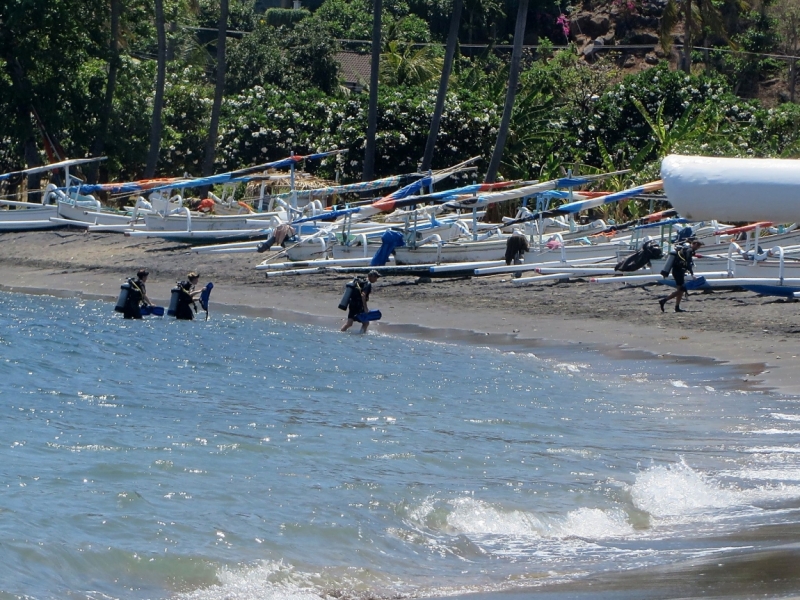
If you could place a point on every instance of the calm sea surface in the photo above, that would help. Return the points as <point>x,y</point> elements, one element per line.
<point>252,459</point>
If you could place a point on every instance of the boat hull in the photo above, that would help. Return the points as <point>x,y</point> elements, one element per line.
<point>199,222</point>
<point>496,250</point>
<point>733,189</point>
<point>313,250</point>
<point>28,219</point>
<point>93,217</point>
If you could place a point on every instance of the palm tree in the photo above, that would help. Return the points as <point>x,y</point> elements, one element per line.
<point>372,118</point>
<point>402,64</point>
<point>511,92</point>
<point>452,40</point>
<point>156,126</point>
<point>697,15</point>
<point>691,125</point>
<point>98,145</point>
<point>219,89</point>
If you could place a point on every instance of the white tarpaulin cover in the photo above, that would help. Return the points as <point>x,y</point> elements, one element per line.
<point>733,190</point>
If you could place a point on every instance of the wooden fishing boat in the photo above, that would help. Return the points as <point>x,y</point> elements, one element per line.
<point>31,216</point>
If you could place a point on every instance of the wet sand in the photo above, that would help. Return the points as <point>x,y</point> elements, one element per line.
<point>761,573</point>
<point>757,336</point>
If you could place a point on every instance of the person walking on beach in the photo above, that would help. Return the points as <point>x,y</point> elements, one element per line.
<point>683,262</point>
<point>358,300</point>
<point>187,296</point>
<point>137,295</point>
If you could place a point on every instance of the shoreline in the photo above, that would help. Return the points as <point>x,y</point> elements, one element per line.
<point>611,340</point>
<point>756,337</point>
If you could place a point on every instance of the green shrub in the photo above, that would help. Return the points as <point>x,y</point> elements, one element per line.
<point>285,17</point>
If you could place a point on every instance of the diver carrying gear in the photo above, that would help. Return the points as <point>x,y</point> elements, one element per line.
<point>186,307</point>
<point>680,262</point>
<point>360,290</point>
<point>133,299</point>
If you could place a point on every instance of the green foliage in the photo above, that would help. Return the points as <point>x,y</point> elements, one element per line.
<point>285,17</point>
<point>351,20</point>
<point>312,55</point>
<point>486,72</point>
<point>289,58</point>
<point>241,14</point>
<point>264,124</point>
<point>38,41</point>
<point>747,68</point>
<point>405,64</point>
<point>666,137</point>
<point>412,29</point>
<point>283,96</point>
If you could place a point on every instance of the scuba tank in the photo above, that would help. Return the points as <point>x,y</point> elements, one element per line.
<point>122,299</point>
<point>668,264</point>
<point>173,300</point>
<point>348,291</point>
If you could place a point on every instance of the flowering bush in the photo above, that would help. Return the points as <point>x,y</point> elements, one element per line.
<point>563,22</point>
<point>262,125</point>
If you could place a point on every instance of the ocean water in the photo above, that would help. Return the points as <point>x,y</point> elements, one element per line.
<point>246,458</point>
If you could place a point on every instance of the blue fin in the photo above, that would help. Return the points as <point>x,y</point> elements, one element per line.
<point>373,315</point>
<point>204,295</point>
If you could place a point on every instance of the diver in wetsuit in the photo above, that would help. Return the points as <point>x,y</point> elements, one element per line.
<point>137,295</point>
<point>684,253</point>
<point>359,299</point>
<point>187,295</point>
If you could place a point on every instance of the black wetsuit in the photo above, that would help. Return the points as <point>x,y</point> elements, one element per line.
<point>516,245</point>
<point>356,305</point>
<point>185,305</point>
<point>683,263</point>
<point>133,302</point>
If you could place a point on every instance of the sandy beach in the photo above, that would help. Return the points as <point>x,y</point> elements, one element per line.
<point>756,335</point>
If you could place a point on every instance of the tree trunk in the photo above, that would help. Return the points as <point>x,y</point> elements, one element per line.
<point>211,144</point>
<point>23,98</point>
<point>158,104</point>
<point>372,118</point>
<point>511,93</point>
<point>792,79</point>
<point>688,42</point>
<point>98,145</point>
<point>452,40</point>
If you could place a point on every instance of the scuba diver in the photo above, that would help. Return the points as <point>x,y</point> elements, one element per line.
<point>357,301</point>
<point>137,295</point>
<point>187,296</point>
<point>679,262</point>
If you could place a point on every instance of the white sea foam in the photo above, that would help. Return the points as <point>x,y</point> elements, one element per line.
<point>785,417</point>
<point>420,512</point>
<point>475,517</point>
<point>776,477</point>
<point>570,367</point>
<point>774,450</point>
<point>595,524</point>
<point>268,580</point>
<point>772,431</point>
<point>676,491</point>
